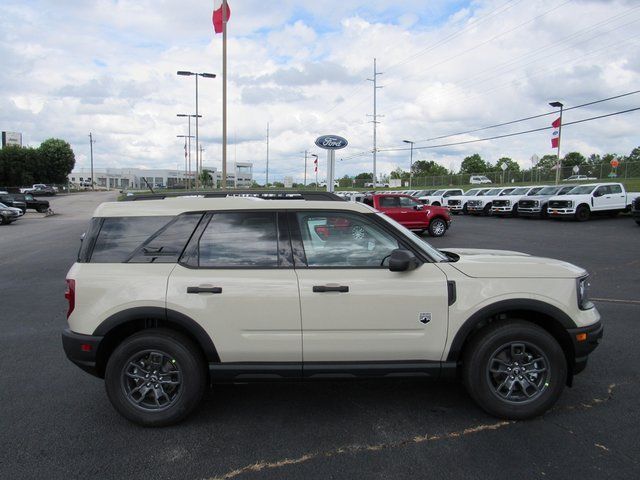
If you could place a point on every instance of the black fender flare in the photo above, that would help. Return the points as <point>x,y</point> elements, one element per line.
<point>167,317</point>
<point>524,304</point>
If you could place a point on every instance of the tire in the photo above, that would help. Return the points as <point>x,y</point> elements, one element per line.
<point>583,213</point>
<point>464,209</point>
<point>543,212</point>
<point>42,210</point>
<point>514,210</point>
<point>132,363</point>
<point>437,227</point>
<point>435,204</point>
<point>486,211</point>
<point>638,222</point>
<point>498,347</point>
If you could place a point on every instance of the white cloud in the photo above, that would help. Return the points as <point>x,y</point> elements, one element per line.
<point>70,67</point>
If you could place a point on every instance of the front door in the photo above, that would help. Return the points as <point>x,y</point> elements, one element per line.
<point>354,309</point>
<point>236,279</point>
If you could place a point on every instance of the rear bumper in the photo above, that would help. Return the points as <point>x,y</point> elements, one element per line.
<point>583,348</point>
<point>82,350</point>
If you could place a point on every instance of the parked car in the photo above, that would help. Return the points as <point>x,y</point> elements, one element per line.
<point>508,204</point>
<point>635,211</point>
<point>239,286</point>
<point>578,178</point>
<point>478,179</point>
<point>481,204</point>
<point>536,205</point>
<point>10,201</point>
<point>8,214</point>
<point>30,202</point>
<point>583,200</point>
<point>378,184</point>
<point>458,203</point>
<point>39,189</point>
<point>438,197</point>
<point>412,214</point>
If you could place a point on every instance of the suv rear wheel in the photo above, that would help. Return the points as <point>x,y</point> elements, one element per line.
<point>514,369</point>
<point>155,377</point>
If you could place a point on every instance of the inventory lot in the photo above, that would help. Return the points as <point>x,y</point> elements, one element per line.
<point>57,422</point>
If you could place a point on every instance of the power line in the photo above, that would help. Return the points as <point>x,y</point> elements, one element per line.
<point>465,142</point>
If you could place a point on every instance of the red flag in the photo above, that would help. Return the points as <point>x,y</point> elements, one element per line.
<point>315,162</point>
<point>217,18</point>
<point>555,134</point>
<point>185,149</point>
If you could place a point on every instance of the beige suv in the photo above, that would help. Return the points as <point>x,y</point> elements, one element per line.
<point>169,295</point>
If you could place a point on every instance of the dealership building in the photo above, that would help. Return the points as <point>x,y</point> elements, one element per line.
<point>239,175</point>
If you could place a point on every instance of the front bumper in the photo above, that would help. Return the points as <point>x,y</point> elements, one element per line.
<point>592,335</point>
<point>526,211</point>
<point>555,212</point>
<point>501,210</point>
<point>82,350</point>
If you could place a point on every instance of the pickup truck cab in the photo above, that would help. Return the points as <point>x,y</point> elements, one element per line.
<point>458,203</point>
<point>508,204</point>
<point>536,205</point>
<point>438,198</point>
<point>482,203</point>
<point>410,213</point>
<point>584,200</point>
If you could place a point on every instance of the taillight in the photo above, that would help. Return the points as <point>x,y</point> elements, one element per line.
<point>70,295</point>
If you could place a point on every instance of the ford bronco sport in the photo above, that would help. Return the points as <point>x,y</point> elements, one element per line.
<point>172,294</point>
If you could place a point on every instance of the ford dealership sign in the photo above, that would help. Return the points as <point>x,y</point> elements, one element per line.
<point>331,142</point>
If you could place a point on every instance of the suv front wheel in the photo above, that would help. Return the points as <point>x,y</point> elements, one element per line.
<point>514,369</point>
<point>155,377</point>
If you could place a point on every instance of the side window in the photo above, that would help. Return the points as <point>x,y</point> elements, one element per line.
<point>239,239</point>
<point>119,237</point>
<point>368,201</point>
<point>167,245</point>
<point>408,202</point>
<point>342,239</point>
<point>615,188</point>
<point>600,191</point>
<point>389,202</point>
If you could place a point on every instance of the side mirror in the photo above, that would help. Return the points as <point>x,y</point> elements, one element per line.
<point>597,193</point>
<point>402,260</point>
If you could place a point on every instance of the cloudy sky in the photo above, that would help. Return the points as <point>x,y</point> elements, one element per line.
<point>70,67</point>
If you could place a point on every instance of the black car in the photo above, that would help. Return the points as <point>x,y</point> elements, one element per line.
<point>28,199</point>
<point>7,215</point>
<point>10,201</point>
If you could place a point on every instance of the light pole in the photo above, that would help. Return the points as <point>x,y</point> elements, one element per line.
<point>410,161</point>
<point>189,137</point>
<point>559,164</point>
<point>305,167</point>
<point>204,75</point>
<point>91,142</point>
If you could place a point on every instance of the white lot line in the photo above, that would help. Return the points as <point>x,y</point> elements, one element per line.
<point>263,465</point>
<point>615,300</point>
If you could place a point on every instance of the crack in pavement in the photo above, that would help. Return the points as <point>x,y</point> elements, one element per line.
<point>264,465</point>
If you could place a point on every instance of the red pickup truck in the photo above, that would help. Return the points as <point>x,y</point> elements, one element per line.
<point>409,212</point>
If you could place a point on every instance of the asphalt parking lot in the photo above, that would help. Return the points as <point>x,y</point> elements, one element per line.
<point>56,421</point>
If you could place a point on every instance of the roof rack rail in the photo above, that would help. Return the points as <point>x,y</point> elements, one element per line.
<point>264,194</point>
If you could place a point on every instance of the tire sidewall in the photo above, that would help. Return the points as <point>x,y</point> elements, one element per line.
<point>432,225</point>
<point>192,372</point>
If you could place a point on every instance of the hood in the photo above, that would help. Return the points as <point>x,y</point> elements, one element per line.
<point>507,264</point>
<point>537,197</point>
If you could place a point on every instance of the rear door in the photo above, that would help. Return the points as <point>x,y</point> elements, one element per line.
<point>354,309</point>
<point>236,279</point>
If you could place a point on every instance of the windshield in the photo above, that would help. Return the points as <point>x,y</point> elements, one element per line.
<point>583,189</point>
<point>548,191</point>
<point>471,192</point>
<point>534,191</point>
<point>426,247</point>
<point>493,191</point>
<point>438,192</point>
<point>2,205</point>
<point>519,191</point>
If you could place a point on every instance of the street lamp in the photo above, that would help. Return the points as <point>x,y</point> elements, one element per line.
<point>189,137</point>
<point>185,73</point>
<point>559,164</point>
<point>411,162</point>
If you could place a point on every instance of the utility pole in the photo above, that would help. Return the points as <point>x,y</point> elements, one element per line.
<point>266,183</point>
<point>305,168</point>
<point>375,118</point>
<point>91,142</point>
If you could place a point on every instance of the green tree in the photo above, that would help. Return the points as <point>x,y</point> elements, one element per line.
<point>634,156</point>
<point>512,166</point>
<point>345,181</point>
<point>364,176</point>
<point>205,178</point>
<point>19,166</point>
<point>474,164</point>
<point>57,159</point>
<point>428,168</point>
<point>547,162</point>
<point>574,158</point>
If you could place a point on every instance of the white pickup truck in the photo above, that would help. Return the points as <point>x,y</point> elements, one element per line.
<point>508,204</point>
<point>458,203</point>
<point>481,204</point>
<point>584,200</point>
<point>437,198</point>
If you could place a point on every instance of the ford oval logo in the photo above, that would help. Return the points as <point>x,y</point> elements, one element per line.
<point>331,142</point>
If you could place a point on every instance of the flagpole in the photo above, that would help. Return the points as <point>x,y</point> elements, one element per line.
<point>224,93</point>
<point>559,140</point>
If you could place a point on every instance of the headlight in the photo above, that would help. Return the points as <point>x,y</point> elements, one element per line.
<point>508,203</point>
<point>536,203</point>
<point>570,203</point>
<point>583,294</point>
